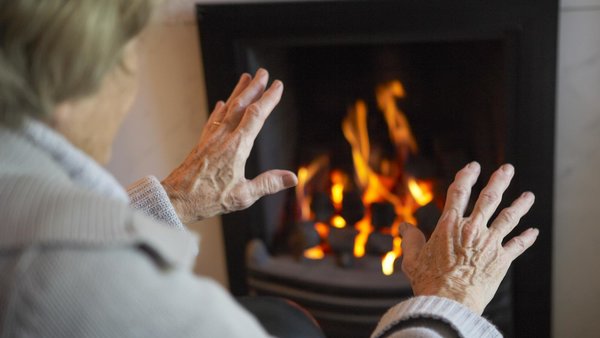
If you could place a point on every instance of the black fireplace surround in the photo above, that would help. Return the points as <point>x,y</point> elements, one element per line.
<point>454,49</point>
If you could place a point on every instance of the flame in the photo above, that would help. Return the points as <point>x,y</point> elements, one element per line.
<point>338,221</point>
<point>387,263</point>
<point>364,228</point>
<point>386,182</point>
<point>322,229</point>
<point>398,126</point>
<point>420,192</point>
<point>315,252</point>
<point>337,189</point>
<point>305,174</point>
<point>375,187</point>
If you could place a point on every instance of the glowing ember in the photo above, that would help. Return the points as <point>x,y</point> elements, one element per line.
<point>338,222</point>
<point>315,252</point>
<point>322,229</point>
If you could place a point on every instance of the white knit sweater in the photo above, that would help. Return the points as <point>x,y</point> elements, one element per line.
<point>76,261</point>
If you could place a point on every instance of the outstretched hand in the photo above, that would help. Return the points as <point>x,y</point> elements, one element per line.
<point>211,180</point>
<point>464,259</point>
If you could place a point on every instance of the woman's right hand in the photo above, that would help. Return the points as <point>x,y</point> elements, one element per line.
<point>211,180</point>
<point>464,260</point>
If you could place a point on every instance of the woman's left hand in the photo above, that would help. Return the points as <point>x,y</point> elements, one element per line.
<point>211,180</point>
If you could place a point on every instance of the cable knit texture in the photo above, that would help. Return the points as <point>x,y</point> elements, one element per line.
<point>460,318</point>
<point>148,195</point>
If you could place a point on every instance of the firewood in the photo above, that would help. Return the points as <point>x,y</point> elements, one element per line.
<point>379,243</point>
<point>382,214</point>
<point>342,240</point>
<point>353,209</point>
<point>303,236</point>
<point>322,207</point>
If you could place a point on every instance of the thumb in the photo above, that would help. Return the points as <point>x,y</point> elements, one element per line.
<point>271,182</point>
<point>413,241</point>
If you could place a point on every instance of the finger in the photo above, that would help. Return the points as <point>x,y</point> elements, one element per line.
<point>413,241</point>
<point>217,113</point>
<point>491,195</point>
<point>256,114</point>
<point>508,218</point>
<point>249,95</point>
<point>516,246</point>
<point>267,183</point>
<point>459,191</point>
<point>244,81</point>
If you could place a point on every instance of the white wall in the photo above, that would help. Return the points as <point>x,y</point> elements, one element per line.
<point>577,183</point>
<point>171,109</point>
<point>168,116</point>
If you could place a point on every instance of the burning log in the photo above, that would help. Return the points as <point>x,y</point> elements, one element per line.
<point>353,209</point>
<point>382,214</point>
<point>427,218</point>
<point>304,236</point>
<point>379,244</point>
<point>322,207</point>
<point>342,240</point>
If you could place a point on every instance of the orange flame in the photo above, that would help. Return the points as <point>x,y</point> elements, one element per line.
<point>338,221</point>
<point>387,263</point>
<point>322,229</point>
<point>420,192</point>
<point>316,252</point>
<point>337,189</point>
<point>377,186</point>
<point>305,174</point>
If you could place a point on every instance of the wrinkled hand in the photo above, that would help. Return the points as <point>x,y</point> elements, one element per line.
<point>211,180</point>
<point>464,259</point>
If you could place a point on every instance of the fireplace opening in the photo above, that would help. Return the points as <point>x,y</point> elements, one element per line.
<point>377,132</point>
<point>384,102</point>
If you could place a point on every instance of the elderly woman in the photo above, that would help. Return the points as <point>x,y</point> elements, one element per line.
<point>80,256</point>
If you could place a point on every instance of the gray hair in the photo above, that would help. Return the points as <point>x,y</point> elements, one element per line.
<point>52,51</point>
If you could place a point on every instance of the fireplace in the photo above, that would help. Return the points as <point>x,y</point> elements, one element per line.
<point>384,102</point>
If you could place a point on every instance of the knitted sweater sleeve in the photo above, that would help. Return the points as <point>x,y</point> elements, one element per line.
<point>433,317</point>
<point>149,196</point>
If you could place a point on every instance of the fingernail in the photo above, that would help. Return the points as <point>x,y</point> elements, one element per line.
<point>508,169</point>
<point>473,166</point>
<point>277,84</point>
<point>289,180</point>
<point>534,230</point>
<point>528,195</point>
<point>261,72</point>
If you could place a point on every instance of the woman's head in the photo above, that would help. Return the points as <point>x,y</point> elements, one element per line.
<point>59,51</point>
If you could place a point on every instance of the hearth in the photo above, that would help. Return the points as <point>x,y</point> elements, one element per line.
<point>384,102</point>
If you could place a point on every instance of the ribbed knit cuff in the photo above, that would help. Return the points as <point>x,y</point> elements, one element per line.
<point>459,317</point>
<point>149,196</point>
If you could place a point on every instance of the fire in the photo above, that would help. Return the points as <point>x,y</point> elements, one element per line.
<point>305,174</point>
<point>337,189</point>
<point>315,252</point>
<point>381,182</point>
<point>322,229</point>
<point>421,193</point>
<point>387,263</point>
<point>338,221</point>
